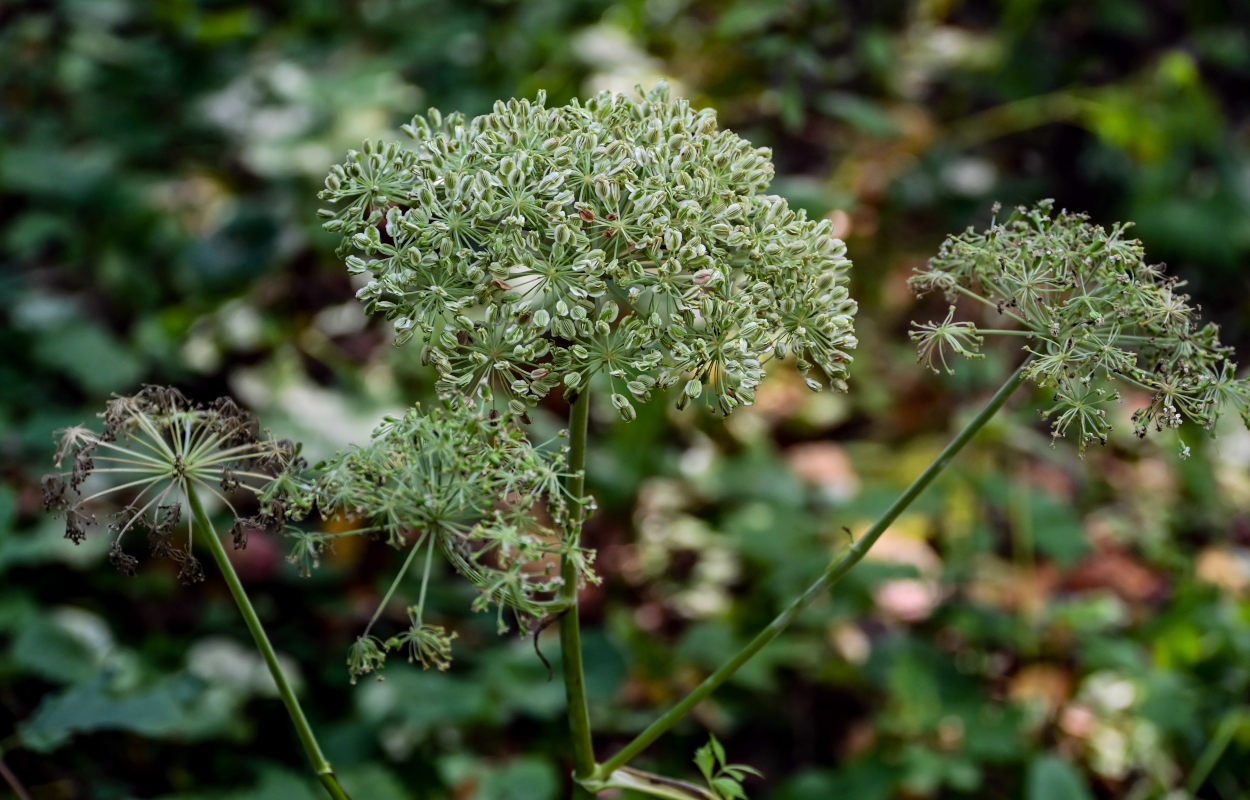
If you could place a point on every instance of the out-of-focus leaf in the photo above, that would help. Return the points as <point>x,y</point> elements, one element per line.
<point>175,706</point>
<point>54,653</point>
<point>373,782</point>
<point>1054,778</point>
<point>865,779</point>
<point>47,171</point>
<point>604,666</point>
<point>524,778</point>
<point>8,510</point>
<point>91,356</point>
<point>519,679</point>
<point>424,700</point>
<point>859,112</point>
<point>1057,531</point>
<point>47,543</point>
<point>747,17</point>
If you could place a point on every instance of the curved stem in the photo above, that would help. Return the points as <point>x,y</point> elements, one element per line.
<point>325,772</point>
<point>832,574</point>
<point>570,623</point>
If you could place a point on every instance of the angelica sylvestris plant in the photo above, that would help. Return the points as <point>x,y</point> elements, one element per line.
<point>624,239</point>
<point>621,245</point>
<point>1095,317</point>
<point>465,485</point>
<point>159,453</point>
<point>535,247</point>
<point>628,240</point>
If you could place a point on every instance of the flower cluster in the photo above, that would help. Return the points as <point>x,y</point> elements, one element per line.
<point>464,484</point>
<point>156,446</point>
<point>1093,314</point>
<point>534,247</point>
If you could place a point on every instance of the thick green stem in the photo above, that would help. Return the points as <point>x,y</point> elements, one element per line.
<point>838,568</point>
<point>325,772</point>
<point>570,623</point>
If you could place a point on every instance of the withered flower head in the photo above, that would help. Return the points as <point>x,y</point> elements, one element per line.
<point>155,445</point>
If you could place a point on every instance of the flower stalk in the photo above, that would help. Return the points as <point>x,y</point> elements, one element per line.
<point>321,766</point>
<point>162,451</point>
<point>835,571</point>
<point>570,622</point>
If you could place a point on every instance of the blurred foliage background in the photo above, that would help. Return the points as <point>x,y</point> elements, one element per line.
<point>1038,627</point>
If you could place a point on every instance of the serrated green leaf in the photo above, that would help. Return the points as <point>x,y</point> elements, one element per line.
<point>728,787</point>
<point>718,750</point>
<point>705,761</point>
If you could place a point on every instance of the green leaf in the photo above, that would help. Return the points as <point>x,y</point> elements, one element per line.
<point>705,761</point>
<point>8,509</point>
<point>91,356</point>
<point>374,782</point>
<point>274,784</point>
<point>446,700</point>
<point>180,705</point>
<point>1053,778</point>
<point>718,750</point>
<point>746,18</point>
<point>524,778</point>
<point>739,771</point>
<point>1057,529</point>
<point>45,543</point>
<point>54,653</point>
<point>860,112</point>
<point>728,787</point>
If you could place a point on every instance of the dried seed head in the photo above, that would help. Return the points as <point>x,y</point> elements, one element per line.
<point>156,444</point>
<point>125,564</point>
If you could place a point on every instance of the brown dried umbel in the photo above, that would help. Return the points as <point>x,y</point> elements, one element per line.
<point>154,446</point>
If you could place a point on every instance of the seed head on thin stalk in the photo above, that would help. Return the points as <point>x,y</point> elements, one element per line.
<point>155,445</point>
<point>1093,314</point>
<point>626,236</point>
<point>464,484</point>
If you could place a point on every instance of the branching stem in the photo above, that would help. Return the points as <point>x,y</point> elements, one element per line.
<point>838,568</point>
